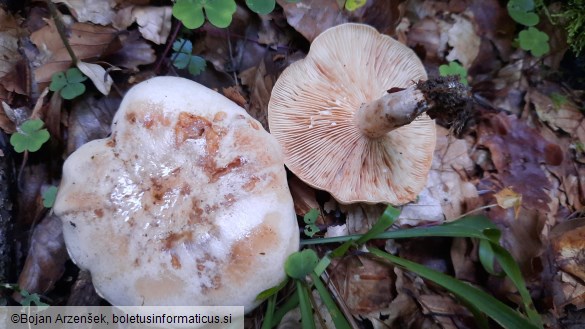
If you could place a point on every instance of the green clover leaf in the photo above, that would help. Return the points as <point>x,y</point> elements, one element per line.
<point>182,58</point>
<point>520,11</point>
<point>262,7</point>
<point>29,137</point>
<point>299,264</point>
<point>69,83</point>
<point>454,68</point>
<point>191,12</point>
<point>351,5</point>
<point>534,40</point>
<point>49,196</point>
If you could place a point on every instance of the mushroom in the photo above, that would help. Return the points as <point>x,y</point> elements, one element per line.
<point>350,116</point>
<point>186,203</point>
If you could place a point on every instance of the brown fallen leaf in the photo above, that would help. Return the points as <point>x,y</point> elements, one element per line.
<point>507,198</point>
<point>260,83</point>
<point>154,23</point>
<point>135,51</point>
<point>90,119</point>
<point>311,17</point>
<point>45,262</point>
<point>235,95</point>
<point>98,12</point>
<point>517,152</point>
<point>365,285</point>
<point>565,116</point>
<point>569,249</point>
<point>10,32</point>
<point>88,42</point>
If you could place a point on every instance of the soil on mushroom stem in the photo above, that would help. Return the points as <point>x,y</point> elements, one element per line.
<point>450,102</point>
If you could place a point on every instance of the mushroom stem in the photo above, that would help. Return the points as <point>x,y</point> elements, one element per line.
<point>443,98</point>
<point>393,110</point>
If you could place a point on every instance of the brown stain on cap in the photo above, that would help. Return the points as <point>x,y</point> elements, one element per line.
<point>245,254</point>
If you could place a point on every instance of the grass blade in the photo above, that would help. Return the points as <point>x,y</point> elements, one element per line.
<point>495,309</point>
<point>307,320</point>
<point>338,319</point>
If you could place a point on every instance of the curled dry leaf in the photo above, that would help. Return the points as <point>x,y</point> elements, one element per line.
<point>88,41</point>
<point>98,12</point>
<point>98,75</point>
<point>260,83</point>
<point>507,198</point>
<point>154,23</point>
<point>46,257</point>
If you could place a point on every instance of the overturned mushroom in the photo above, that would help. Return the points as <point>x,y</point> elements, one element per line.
<point>185,204</point>
<point>350,116</point>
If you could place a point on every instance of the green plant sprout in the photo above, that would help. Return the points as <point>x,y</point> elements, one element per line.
<point>572,16</point>
<point>49,196</point>
<point>28,299</point>
<point>558,100</point>
<point>69,83</point>
<point>306,263</point>
<point>531,39</point>
<point>454,68</point>
<point>218,12</point>
<point>521,11</point>
<point>534,40</point>
<point>30,136</point>
<point>183,57</point>
<point>310,218</point>
<point>351,5</point>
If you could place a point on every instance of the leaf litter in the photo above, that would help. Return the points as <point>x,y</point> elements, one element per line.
<point>523,142</point>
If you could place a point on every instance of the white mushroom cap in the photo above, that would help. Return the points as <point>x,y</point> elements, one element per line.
<point>186,204</point>
<point>313,113</point>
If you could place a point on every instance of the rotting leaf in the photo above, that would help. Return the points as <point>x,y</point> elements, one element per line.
<point>98,12</point>
<point>98,75</point>
<point>154,23</point>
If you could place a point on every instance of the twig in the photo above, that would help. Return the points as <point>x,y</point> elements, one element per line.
<point>168,47</point>
<point>61,30</point>
<point>232,57</point>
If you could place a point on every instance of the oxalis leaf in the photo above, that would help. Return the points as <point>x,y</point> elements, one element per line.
<point>261,7</point>
<point>534,40</point>
<point>218,12</point>
<point>454,68</point>
<point>69,83</point>
<point>351,5</point>
<point>299,264</point>
<point>49,196</point>
<point>182,58</point>
<point>520,11</point>
<point>30,136</point>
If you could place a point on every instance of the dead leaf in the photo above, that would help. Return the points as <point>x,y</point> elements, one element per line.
<point>98,75</point>
<point>463,39</point>
<point>7,125</point>
<point>45,262</point>
<point>10,32</point>
<point>98,12</point>
<point>507,198</point>
<point>365,285</point>
<point>90,119</point>
<point>154,23</point>
<point>517,151</point>
<point>234,94</point>
<point>311,17</point>
<point>87,41</point>
<point>135,51</point>
<point>565,116</point>
<point>260,86</point>
<point>569,249</point>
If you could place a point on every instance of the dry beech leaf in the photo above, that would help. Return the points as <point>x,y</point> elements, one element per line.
<point>98,12</point>
<point>260,85</point>
<point>5,123</point>
<point>45,262</point>
<point>565,116</point>
<point>154,23</point>
<point>98,75</point>
<point>507,198</point>
<point>463,39</point>
<point>9,55</point>
<point>88,41</point>
<point>135,51</point>
<point>311,17</point>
